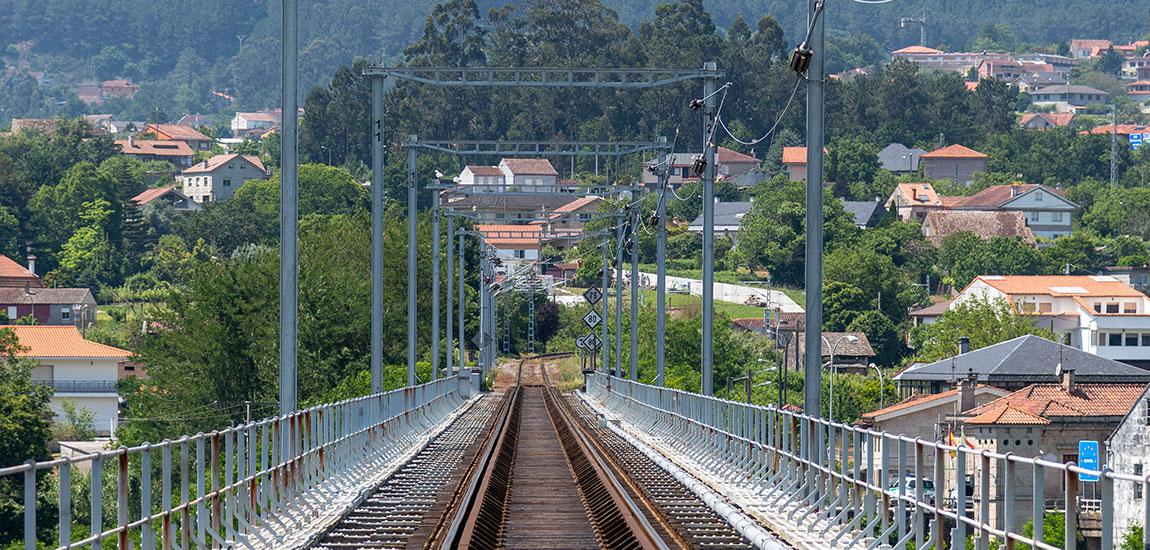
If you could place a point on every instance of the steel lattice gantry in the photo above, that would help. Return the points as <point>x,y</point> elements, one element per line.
<point>522,77</point>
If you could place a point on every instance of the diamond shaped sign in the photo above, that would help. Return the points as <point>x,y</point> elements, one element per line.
<point>581,342</point>
<point>592,319</point>
<point>593,295</point>
<point>592,341</point>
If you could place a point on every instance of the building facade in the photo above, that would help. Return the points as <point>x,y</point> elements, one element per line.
<point>954,162</point>
<point>49,306</point>
<point>218,178</point>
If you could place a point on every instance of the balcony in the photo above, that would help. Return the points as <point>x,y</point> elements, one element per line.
<point>80,386</point>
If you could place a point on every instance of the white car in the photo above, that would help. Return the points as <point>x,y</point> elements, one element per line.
<point>910,484</point>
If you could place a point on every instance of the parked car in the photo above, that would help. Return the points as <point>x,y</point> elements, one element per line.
<point>910,488</point>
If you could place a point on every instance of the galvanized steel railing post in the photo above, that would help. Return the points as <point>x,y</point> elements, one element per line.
<point>30,504</point>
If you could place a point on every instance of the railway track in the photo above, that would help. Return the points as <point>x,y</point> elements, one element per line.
<point>529,468</point>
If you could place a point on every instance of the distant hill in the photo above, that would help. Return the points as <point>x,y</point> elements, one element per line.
<point>182,51</point>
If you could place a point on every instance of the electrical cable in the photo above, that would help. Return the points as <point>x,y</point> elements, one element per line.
<point>774,127</point>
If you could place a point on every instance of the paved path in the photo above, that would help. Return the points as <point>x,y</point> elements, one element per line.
<point>725,292</point>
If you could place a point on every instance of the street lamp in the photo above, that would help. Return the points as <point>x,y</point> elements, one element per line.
<point>880,386</point>
<point>849,338</point>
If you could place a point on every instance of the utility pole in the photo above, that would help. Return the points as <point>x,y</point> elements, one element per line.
<point>289,213</point>
<point>619,297</point>
<point>450,242</point>
<point>634,293</point>
<point>377,162</point>
<point>605,274</point>
<point>435,343</point>
<point>661,273</point>
<point>412,256</point>
<point>462,309</point>
<point>812,361</point>
<point>709,111</point>
<point>1113,144</point>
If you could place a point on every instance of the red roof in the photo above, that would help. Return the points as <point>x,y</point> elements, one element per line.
<point>10,269</point>
<point>1056,119</point>
<point>1123,129</point>
<point>727,156</point>
<point>217,161</point>
<point>511,236</point>
<point>1039,403</point>
<point>485,170</point>
<point>997,195</point>
<point>177,132</point>
<point>149,195</point>
<point>794,155</point>
<point>530,167</point>
<point>920,399</point>
<point>985,224</point>
<point>917,50</point>
<point>156,148</point>
<point>1061,285</point>
<point>955,151</point>
<point>61,341</point>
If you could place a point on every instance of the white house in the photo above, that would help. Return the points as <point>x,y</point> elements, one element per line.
<point>76,369</point>
<point>243,122</point>
<point>515,245</point>
<point>219,177</point>
<point>1095,313</point>
<point>527,175</point>
<point>1128,452</point>
<point>483,179</point>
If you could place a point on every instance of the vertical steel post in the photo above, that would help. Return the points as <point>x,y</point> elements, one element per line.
<point>450,242</point>
<point>462,308</point>
<point>661,277</point>
<point>605,274</point>
<point>377,162</point>
<point>435,342</point>
<point>619,299</point>
<point>412,257</point>
<point>812,386</point>
<point>635,293</point>
<point>710,113</point>
<point>289,213</point>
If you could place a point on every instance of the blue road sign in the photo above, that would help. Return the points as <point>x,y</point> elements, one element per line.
<point>1136,141</point>
<point>1088,459</point>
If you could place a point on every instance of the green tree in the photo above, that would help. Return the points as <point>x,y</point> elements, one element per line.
<point>842,303</point>
<point>1132,540</point>
<point>1110,62</point>
<point>89,258</point>
<point>24,421</point>
<point>984,323</point>
<point>851,162</point>
<point>882,334</point>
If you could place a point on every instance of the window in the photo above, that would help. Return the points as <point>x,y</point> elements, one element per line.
<point>1130,307</point>
<point>1112,308</point>
<point>1146,339</point>
<point>521,254</point>
<point>66,313</point>
<point>686,171</point>
<point>12,315</point>
<point>1045,308</point>
<point>1138,486</point>
<point>1034,216</point>
<point>1131,340</point>
<point>1056,216</point>
<point>1097,308</point>
<point>1038,196</point>
<point>227,182</point>
<point>500,216</point>
<point>1114,339</point>
<point>584,216</point>
<point>230,166</point>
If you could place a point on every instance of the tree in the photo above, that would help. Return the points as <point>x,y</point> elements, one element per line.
<point>77,423</point>
<point>882,334</point>
<point>24,421</point>
<point>984,323</point>
<point>1110,62</point>
<point>964,256</point>
<point>89,259</point>
<point>842,302</point>
<point>851,162</point>
<point>1132,540</point>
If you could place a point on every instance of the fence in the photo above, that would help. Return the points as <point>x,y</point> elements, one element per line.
<point>221,487</point>
<point>846,496</point>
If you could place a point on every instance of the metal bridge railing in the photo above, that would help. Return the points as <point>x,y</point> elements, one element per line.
<point>232,485</point>
<point>869,489</point>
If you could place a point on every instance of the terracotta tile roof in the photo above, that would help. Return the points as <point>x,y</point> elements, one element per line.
<point>952,202</point>
<point>1055,119</point>
<point>846,348</point>
<point>529,167</point>
<point>922,399</point>
<point>917,50</point>
<point>578,203</point>
<point>794,155</point>
<point>932,310</point>
<point>149,195</point>
<point>157,148</point>
<point>259,117</point>
<point>1040,403</point>
<point>1123,129</point>
<point>941,224</point>
<point>61,341</point>
<point>10,269</point>
<point>217,161</point>
<point>970,86</point>
<point>955,151</point>
<point>997,195</point>
<point>511,236</point>
<point>17,295</point>
<point>1061,285</point>
<point>485,170</point>
<point>919,194</point>
<point>724,156</point>
<point>176,132</point>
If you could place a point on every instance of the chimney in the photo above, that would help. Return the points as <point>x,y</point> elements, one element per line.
<point>131,141</point>
<point>31,261</point>
<point>1067,378</point>
<point>963,345</point>
<point>1013,191</point>
<point>966,388</point>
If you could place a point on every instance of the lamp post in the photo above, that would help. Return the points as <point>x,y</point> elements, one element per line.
<point>880,386</point>
<point>849,338</point>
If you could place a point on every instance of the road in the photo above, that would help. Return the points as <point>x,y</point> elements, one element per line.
<point>726,292</point>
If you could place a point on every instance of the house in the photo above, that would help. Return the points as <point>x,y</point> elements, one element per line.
<point>49,306</point>
<point>1139,91</point>
<point>218,178</point>
<point>1123,130</point>
<point>867,214</point>
<point>955,62</point>
<point>912,201</point>
<point>196,121</point>
<point>568,221</point>
<point>730,164</point>
<point>246,122</point>
<point>900,159</point>
<point>1084,48</point>
<point>852,350</point>
<point>1013,365</point>
<point>499,208</point>
<point>515,245</point>
<point>728,216</point>
<point>175,152</point>
<point>1059,64</point>
<point>1065,98</point>
<point>1133,64</point>
<point>483,179</point>
<point>118,88</point>
<point>1035,80</point>
<point>1096,313</point>
<point>928,314</point>
<point>1128,451</point>
<point>954,162</point>
<point>76,369</point>
<point>1047,211</point>
<point>926,416</point>
<point>42,125</point>
<point>1008,70</point>
<point>1044,121</point>
<point>1137,276</point>
<point>149,199</point>
<point>1046,421</point>
<point>529,175</point>
<point>795,163</point>
<point>176,132</point>
<point>15,275</point>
